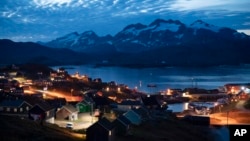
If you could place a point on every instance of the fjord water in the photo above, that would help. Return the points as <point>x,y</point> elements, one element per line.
<point>167,77</point>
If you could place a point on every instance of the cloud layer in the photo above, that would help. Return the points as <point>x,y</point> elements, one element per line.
<point>33,20</point>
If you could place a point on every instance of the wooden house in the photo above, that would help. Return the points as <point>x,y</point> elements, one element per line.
<point>42,111</point>
<point>84,106</point>
<point>122,125</point>
<point>67,112</point>
<point>17,107</point>
<point>102,130</point>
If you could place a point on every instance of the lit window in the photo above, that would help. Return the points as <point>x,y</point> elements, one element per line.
<point>21,109</point>
<point>15,109</point>
<point>8,109</point>
<point>27,108</point>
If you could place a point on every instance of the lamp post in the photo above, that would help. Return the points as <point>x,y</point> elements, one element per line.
<point>227,117</point>
<point>91,111</point>
<point>71,93</point>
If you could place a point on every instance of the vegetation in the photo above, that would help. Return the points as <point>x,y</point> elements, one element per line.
<point>17,129</point>
<point>168,130</point>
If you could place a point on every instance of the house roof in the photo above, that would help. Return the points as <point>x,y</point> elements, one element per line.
<point>142,112</point>
<point>12,103</point>
<point>105,123</point>
<point>84,102</point>
<point>123,120</point>
<point>130,102</point>
<point>69,108</point>
<point>39,102</point>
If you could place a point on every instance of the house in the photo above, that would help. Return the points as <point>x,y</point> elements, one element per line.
<point>17,90</point>
<point>126,105</point>
<point>102,130</point>
<point>42,111</point>
<point>15,107</point>
<point>68,112</point>
<point>137,116</point>
<point>133,117</point>
<point>84,106</point>
<point>122,125</point>
<point>143,112</point>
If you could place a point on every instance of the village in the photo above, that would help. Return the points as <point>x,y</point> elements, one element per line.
<point>101,110</point>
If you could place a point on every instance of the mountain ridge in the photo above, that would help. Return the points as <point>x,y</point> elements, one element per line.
<point>160,43</point>
<point>159,33</point>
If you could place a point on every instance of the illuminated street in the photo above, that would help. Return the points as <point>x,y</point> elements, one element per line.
<point>53,94</point>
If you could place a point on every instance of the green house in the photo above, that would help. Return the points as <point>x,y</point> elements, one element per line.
<point>83,107</point>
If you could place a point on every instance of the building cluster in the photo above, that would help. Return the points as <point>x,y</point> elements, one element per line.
<point>114,117</point>
<point>107,117</point>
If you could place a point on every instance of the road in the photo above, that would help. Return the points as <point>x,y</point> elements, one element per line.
<point>239,115</point>
<point>84,121</point>
<point>54,94</point>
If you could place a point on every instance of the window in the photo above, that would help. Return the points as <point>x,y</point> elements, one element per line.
<point>27,108</point>
<point>15,110</point>
<point>1,108</point>
<point>7,109</point>
<point>21,109</point>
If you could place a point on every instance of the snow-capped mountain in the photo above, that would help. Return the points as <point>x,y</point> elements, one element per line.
<point>163,42</point>
<point>86,42</point>
<point>138,37</point>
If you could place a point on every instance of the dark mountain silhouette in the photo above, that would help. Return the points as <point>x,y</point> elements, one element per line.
<point>28,52</point>
<point>161,43</point>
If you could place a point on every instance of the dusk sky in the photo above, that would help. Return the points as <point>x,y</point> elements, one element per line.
<point>45,20</point>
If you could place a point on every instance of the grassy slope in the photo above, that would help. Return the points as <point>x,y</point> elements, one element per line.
<point>14,128</point>
<point>168,130</point>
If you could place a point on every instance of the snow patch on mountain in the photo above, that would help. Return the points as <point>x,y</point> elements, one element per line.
<point>167,26</point>
<point>202,25</point>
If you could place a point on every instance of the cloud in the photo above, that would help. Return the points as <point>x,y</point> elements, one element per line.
<point>230,5</point>
<point>42,17</point>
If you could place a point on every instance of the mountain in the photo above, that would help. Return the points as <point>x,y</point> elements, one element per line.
<point>86,42</point>
<point>163,42</point>
<point>28,52</point>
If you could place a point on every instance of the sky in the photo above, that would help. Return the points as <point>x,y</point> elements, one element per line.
<point>45,20</point>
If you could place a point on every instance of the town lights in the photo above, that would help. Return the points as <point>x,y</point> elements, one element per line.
<point>242,88</point>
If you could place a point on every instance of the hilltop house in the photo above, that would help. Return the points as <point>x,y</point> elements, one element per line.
<point>68,112</point>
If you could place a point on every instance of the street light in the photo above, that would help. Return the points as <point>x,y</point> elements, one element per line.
<point>227,117</point>
<point>71,93</point>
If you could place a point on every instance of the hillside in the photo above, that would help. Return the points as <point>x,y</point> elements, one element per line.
<point>16,129</point>
<point>28,52</point>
